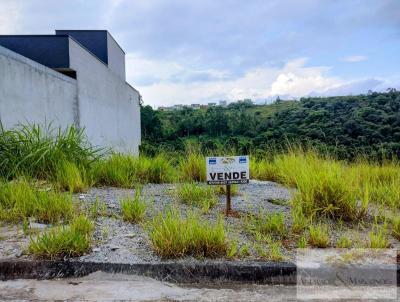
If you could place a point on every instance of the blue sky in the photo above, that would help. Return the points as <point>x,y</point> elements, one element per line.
<point>200,51</point>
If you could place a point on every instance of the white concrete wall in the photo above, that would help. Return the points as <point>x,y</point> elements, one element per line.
<point>108,107</point>
<point>116,57</point>
<point>33,93</point>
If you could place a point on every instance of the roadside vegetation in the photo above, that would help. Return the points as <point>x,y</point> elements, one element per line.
<point>334,190</point>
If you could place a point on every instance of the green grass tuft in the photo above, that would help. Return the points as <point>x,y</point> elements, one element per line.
<point>133,209</point>
<point>19,200</point>
<point>197,195</point>
<point>173,236</point>
<point>319,236</point>
<point>125,171</point>
<point>63,241</point>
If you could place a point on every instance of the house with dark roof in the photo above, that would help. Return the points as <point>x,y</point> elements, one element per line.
<point>75,77</point>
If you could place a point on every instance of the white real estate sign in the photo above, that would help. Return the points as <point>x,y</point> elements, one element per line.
<point>227,170</point>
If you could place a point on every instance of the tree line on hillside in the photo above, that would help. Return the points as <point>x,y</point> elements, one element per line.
<point>345,127</point>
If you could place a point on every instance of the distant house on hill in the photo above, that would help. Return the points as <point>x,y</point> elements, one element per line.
<point>75,77</point>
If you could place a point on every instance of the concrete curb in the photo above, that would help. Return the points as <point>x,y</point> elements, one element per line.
<point>255,272</point>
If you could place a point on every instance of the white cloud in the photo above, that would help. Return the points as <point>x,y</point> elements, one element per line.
<point>354,59</point>
<point>165,88</point>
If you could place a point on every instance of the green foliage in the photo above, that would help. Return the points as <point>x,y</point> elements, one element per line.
<point>19,200</point>
<point>133,209</point>
<point>173,236</point>
<point>197,195</point>
<point>345,127</point>
<point>396,227</point>
<point>319,235</point>
<point>64,241</point>
<point>35,151</point>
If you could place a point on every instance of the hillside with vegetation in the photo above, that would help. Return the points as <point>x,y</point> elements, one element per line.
<point>345,127</point>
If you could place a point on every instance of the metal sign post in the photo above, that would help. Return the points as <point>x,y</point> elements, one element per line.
<point>228,170</point>
<point>228,200</point>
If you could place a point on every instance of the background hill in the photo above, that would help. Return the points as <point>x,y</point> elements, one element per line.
<point>345,127</point>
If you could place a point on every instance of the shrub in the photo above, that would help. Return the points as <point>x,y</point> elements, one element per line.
<point>319,236</point>
<point>35,151</point>
<point>197,195</point>
<point>133,209</point>
<point>71,241</point>
<point>19,201</point>
<point>173,236</point>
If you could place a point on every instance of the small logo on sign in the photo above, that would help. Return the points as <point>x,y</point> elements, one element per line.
<point>242,160</point>
<point>212,161</point>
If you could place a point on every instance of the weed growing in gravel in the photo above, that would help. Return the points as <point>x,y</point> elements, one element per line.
<point>221,190</point>
<point>319,235</point>
<point>273,251</point>
<point>299,220</point>
<point>173,236</point>
<point>197,195</point>
<point>270,224</point>
<point>344,242</point>
<point>71,241</point>
<point>20,201</point>
<point>96,209</point>
<point>396,227</point>
<point>133,209</point>
<point>378,238</point>
<point>302,242</point>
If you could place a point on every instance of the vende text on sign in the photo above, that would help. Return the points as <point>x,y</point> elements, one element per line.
<point>227,170</point>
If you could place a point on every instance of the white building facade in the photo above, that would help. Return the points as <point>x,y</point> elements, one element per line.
<point>71,78</point>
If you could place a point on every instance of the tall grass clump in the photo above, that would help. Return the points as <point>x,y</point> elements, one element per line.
<point>173,236</point>
<point>133,209</point>
<point>35,151</point>
<point>192,167</point>
<point>19,200</point>
<point>264,169</point>
<point>324,187</point>
<point>71,178</point>
<point>197,195</point>
<point>124,170</point>
<point>64,241</point>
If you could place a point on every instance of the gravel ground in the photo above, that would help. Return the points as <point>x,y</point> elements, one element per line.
<point>118,241</point>
<point>122,242</point>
